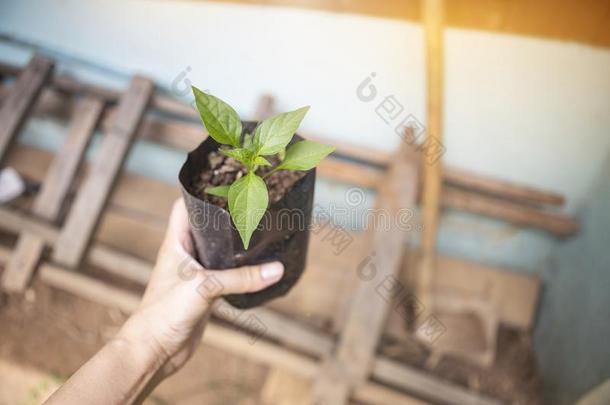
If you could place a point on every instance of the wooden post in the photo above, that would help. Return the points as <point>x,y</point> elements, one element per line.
<point>17,106</point>
<point>351,363</point>
<point>433,19</point>
<point>558,224</point>
<point>55,187</point>
<point>93,195</point>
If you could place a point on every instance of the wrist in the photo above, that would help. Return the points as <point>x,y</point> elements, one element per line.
<point>136,339</point>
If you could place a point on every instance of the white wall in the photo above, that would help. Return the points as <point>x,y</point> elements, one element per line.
<point>525,109</point>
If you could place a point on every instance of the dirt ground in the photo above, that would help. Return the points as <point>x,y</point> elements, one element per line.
<point>514,377</point>
<point>54,332</point>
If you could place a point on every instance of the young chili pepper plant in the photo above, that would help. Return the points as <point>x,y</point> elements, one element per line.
<point>248,196</point>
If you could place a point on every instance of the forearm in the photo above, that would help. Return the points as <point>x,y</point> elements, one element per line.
<point>118,374</point>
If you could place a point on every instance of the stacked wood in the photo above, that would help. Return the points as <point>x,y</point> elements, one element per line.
<point>109,208</point>
<point>54,190</point>
<point>93,195</point>
<point>361,166</point>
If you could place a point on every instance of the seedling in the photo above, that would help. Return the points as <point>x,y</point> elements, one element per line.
<point>248,197</point>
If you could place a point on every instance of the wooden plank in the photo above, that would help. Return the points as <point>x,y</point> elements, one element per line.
<point>363,153</point>
<point>166,104</point>
<point>17,106</point>
<point>176,133</point>
<point>61,173</point>
<point>54,190</point>
<point>350,173</point>
<point>68,84</point>
<point>112,260</point>
<point>292,334</point>
<point>497,285</point>
<point>88,288</point>
<point>93,195</point>
<point>170,132</point>
<point>499,188</point>
<point>367,314</point>
<point>557,224</point>
<point>22,263</point>
<point>433,18</point>
<point>426,385</point>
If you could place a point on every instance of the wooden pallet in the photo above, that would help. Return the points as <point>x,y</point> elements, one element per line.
<point>96,224</point>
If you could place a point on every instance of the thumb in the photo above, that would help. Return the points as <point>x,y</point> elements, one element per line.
<point>248,279</point>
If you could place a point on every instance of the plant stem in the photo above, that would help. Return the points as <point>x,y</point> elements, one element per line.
<point>275,169</point>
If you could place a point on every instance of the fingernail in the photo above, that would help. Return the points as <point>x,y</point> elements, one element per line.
<point>272,271</point>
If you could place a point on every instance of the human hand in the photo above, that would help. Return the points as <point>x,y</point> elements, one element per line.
<point>166,328</point>
<point>173,313</point>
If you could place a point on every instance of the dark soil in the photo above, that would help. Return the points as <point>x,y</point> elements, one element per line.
<point>223,170</point>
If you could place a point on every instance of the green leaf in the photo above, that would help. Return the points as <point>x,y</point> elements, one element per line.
<point>221,121</point>
<point>273,134</point>
<point>219,191</point>
<point>240,154</point>
<point>261,161</point>
<point>248,199</point>
<point>304,155</point>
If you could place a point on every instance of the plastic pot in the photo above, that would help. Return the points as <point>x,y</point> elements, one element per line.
<point>283,234</point>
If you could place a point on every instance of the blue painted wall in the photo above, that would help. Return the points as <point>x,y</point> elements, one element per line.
<point>573,333</point>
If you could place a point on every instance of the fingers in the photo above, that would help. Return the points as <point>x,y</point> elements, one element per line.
<point>250,278</point>
<point>212,284</point>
